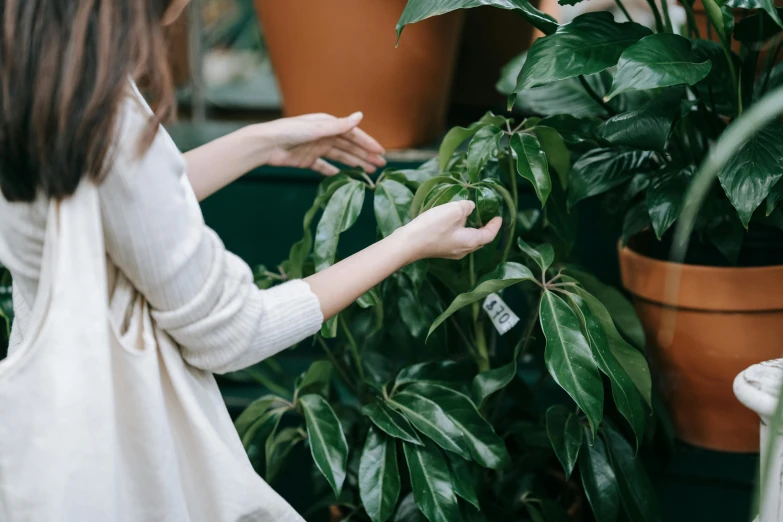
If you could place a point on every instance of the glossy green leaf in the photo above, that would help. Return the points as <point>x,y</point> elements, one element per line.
<point>379,476</point>
<point>425,189</point>
<point>488,203</point>
<point>315,379</point>
<point>329,328</point>
<point>627,398</point>
<point>484,146</point>
<point>532,164</point>
<point>722,18</point>
<point>752,172</point>
<point>620,310</point>
<point>542,255</point>
<point>327,441</point>
<point>665,197</point>
<point>486,448</point>
<point>599,481</point>
<point>427,417</point>
<point>658,60</point>
<point>463,479</point>
<point>767,5</point>
<point>535,514</point>
<point>565,434</point>
<point>418,10</point>
<point>757,28</point>
<point>556,152</point>
<point>601,170</point>
<point>458,135</point>
<point>573,129</point>
<point>505,275</point>
<point>504,194</point>
<point>391,422</point>
<point>278,447</point>
<point>259,418</point>
<point>340,214</point>
<point>448,373</point>
<point>392,206</point>
<point>589,44</point>
<point>631,359</point>
<point>569,359</point>
<point>647,128</point>
<point>448,195</point>
<point>431,483</point>
<point>717,89</point>
<point>636,220</point>
<point>301,249</point>
<point>636,491</point>
<point>487,383</point>
<point>408,511</point>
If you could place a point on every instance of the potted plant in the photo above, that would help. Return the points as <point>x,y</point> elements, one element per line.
<point>506,386</point>
<point>339,57</point>
<point>639,110</point>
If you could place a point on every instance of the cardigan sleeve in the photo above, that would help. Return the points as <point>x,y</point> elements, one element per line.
<point>200,294</point>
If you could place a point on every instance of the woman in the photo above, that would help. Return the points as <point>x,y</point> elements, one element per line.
<point>138,432</point>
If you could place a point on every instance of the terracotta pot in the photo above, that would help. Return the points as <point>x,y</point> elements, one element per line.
<point>340,57</point>
<point>701,335</point>
<point>491,38</point>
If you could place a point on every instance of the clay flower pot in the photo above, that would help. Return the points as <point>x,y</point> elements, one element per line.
<point>701,335</point>
<point>340,57</point>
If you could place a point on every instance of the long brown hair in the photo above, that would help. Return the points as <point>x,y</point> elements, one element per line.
<point>64,70</point>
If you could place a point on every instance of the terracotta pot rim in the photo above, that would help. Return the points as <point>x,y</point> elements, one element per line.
<point>702,288</point>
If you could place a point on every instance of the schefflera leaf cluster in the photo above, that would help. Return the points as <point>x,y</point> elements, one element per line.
<point>420,410</point>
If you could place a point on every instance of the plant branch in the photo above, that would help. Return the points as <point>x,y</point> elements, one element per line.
<point>623,9</point>
<point>512,229</point>
<point>478,329</point>
<point>665,7</point>
<point>691,17</point>
<point>338,366</point>
<point>594,95</point>
<point>657,15</point>
<point>354,348</point>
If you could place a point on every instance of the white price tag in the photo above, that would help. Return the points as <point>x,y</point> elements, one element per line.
<point>500,314</point>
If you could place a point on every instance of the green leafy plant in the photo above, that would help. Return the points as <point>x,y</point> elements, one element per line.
<point>639,110</point>
<point>421,407</point>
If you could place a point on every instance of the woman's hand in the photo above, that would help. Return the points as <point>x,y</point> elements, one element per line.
<point>307,141</point>
<point>441,232</point>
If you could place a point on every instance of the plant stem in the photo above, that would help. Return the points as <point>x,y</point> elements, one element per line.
<point>368,180</point>
<point>665,7</point>
<point>657,15</point>
<point>691,17</point>
<point>512,230</point>
<point>482,360</point>
<point>336,363</point>
<point>594,95</point>
<point>623,9</point>
<point>354,347</point>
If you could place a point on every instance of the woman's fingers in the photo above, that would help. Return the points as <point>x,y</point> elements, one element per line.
<point>349,159</point>
<point>324,167</point>
<point>352,148</point>
<point>364,140</point>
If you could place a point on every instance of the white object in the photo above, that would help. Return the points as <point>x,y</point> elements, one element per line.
<point>759,388</point>
<point>102,418</point>
<point>502,317</point>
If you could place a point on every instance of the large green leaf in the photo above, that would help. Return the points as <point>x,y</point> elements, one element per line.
<point>532,164</point>
<point>620,310</point>
<point>636,220</point>
<point>647,128</point>
<point>505,275</point>
<point>418,10</point>
<point>448,373</point>
<point>626,396</point>
<point>430,419</point>
<point>752,172</point>
<point>589,44</point>
<point>717,89</point>
<point>463,479</point>
<point>486,448</point>
<point>315,379</point>
<point>485,384</point>
<point>301,249</point>
<point>554,147</point>
<point>483,147</point>
<point>424,191</point>
<point>448,195</point>
<point>569,359</point>
<point>392,206</point>
<point>488,203</point>
<point>458,135</point>
<point>599,481</point>
<point>259,419</point>
<point>379,476</point>
<point>391,422</point>
<point>659,60</point>
<point>565,434</point>
<point>278,447</point>
<point>327,441</point>
<point>601,170</point>
<point>431,483</point>
<point>767,5</point>
<point>408,511</point>
<point>665,197</point>
<point>340,214</point>
<point>631,359</point>
<point>636,491</point>
<point>542,255</point>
